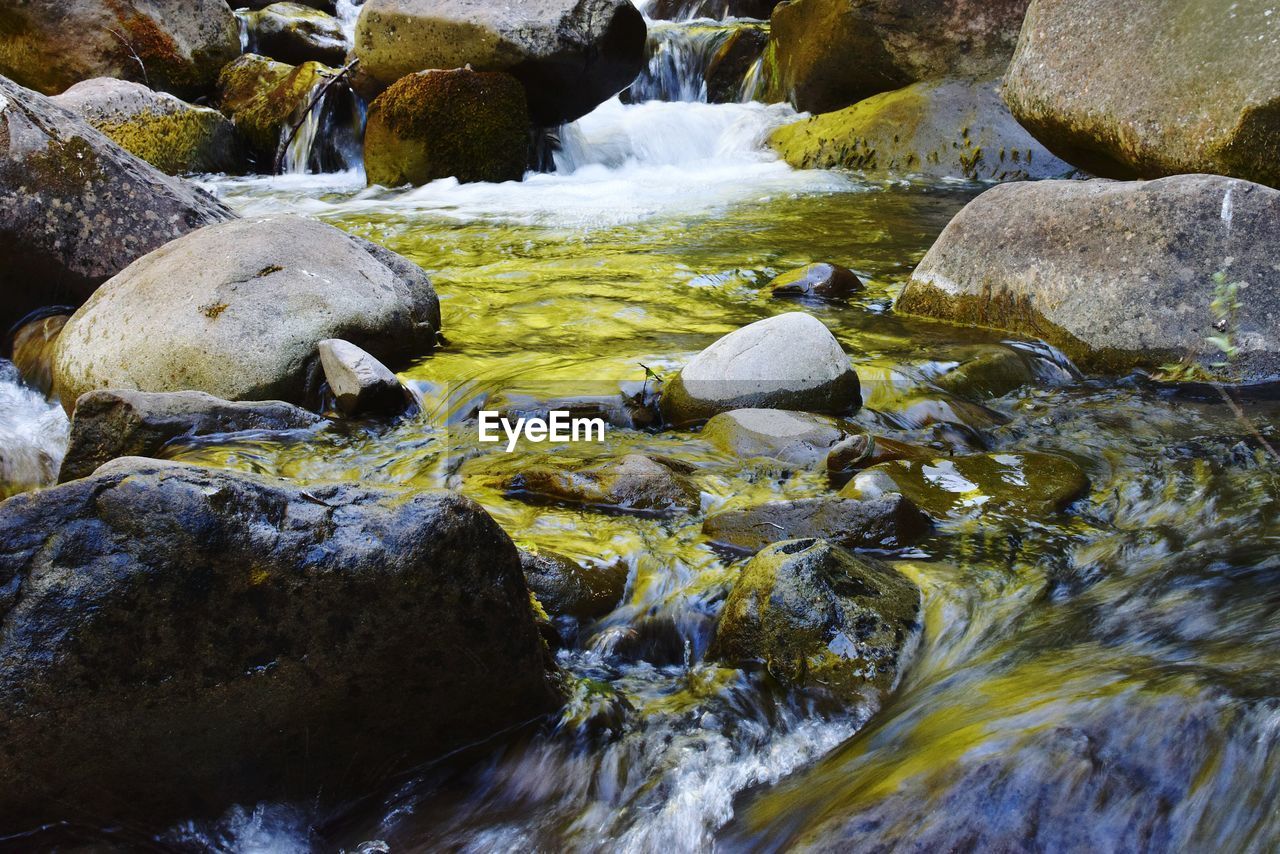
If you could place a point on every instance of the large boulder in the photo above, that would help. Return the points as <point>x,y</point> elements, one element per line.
<point>175,137</point>
<point>470,125</point>
<point>828,54</point>
<point>790,361</point>
<point>937,129</point>
<point>176,46</point>
<point>180,638</point>
<point>1162,87</point>
<point>1118,275</point>
<point>121,423</point>
<point>820,618</point>
<point>570,54</point>
<point>296,33</point>
<point>75,208</point>
<point>237,310</point>
<point>266,99</point>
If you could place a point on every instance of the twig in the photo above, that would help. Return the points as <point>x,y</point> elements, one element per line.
<point>124,41</point>
<point>320,93</point>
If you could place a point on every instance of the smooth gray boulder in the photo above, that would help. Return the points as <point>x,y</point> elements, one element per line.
<point>790,361</point>
<point>792,437</point>
<point>570,54</point>
<point>237,310</point>
<point>884,522</point>
<point>178,639</point>
<point>75,208</point>
<point>359,382</point>
<point>175,137</point>
<point>1118,274</point>
<point>1153,88</point>
<point>121,423</point>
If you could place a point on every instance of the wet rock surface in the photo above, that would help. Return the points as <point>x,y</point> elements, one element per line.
<point>632,484</point>
<point>360,383</point>
<point>885,522</point>
<point>296,33</point>
<point>820,281</point>
<point>793,437</point>
<point>566,587</point>
<point>265,99</point>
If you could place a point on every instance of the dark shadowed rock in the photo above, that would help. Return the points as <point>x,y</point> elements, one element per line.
<point>1117,274</point>
<point>179,638</point>
<point>296,33</point>
<point>820,618</point>
<point>633,484</point>
<point>120,423</point>
<point>566,587</point>
<point>75,208</point>
<point>817,281</point>
<point>728,67</point>
<point>885,522</point>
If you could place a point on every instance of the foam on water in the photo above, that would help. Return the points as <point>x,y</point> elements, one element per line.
<point>33,435</point>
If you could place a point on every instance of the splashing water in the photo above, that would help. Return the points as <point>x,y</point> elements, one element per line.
<point>33,435</point>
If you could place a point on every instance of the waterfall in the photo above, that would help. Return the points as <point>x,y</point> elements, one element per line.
<point>678,59</point>
<point>329,138</point>
<point>33,435</point>
<point>753,83</point>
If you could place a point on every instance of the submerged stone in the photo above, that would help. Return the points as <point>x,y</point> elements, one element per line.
<point>632,484</point>
<point>793,437</point>
<point>864,450</point>
<point>884,522</point>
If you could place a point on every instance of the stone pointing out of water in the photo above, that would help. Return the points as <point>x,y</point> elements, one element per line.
<point>175,137</point>
<point>633,484</point>
<point>175,46</point>
<point>75,208</point>
<point>266,99</point>
<point>886,522</point>
<point>793,437</point>
<point>828,54</point>
<point>1160,87</point>
<point>790,361</point>
<point>570,54</point>
<point>1026,484</point>
<point>473,126</point>
<point>819,618</point>
<point>296,33</point>
<point>864,450</point>
<point>731,62</point>
<point>1117,274</point>
<point>817,281</point>
<point>178,639</point>
<point>360,383</point>
<point>565,587</point>
<point>937,129</point>
<point>237,310</point>
<point>121,423</point>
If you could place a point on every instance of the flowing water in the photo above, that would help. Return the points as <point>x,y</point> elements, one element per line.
<point>1104,678</point>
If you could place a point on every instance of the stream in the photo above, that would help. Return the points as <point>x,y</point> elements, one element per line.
<point>1104,678</point>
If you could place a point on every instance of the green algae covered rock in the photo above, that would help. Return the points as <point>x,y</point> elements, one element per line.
<point>828,54</point>
<point>469,125</point>
<point>818,617</point>
<point>1025,484</point>
<point>265,99</point>
<point>937,129</point>
<point>1161,87</point>
<point>175,137</point>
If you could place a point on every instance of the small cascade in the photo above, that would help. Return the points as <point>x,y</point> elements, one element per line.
<point>679,55</point>
<point>33,435</point>
<point>753,83</point>
<point>329,137</point>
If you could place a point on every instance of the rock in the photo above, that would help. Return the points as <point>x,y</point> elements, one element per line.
<point>172,46</point>
<point>1020,484</point>
<point>1117,275</point>
<point>175,137</point>
<point>329,7</point>
<point>568,588</point>
<point>360,383</point>
<point>936,129</point>
<point>790,361</point>
<point>570,54</point>
<point>793,437</point>
<point>886,522</point>
<point>1119,90</point>
<point>718,10</point>
<point>296,33</point>
<point>266,99</point>
<point>828,54</point>
<point>33,346</point>
<point>656,640</point>
<point>988,373</point>
<point>820,618</point>
<point>178,639</point>
<point>75,208</point>
<point>120,423</point>
<point>633,484</point>
<point>237,309</point>
<point>864,450</point>
<point>731,62</point>
<point>817,281</point>
<point>919,409</point>
<point>473,126</point>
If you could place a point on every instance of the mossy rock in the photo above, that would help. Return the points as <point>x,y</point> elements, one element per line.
<point>265,99</point>
<point>818,617</point>
<point>939,129</point>
<point>565,587</point>
<point>1023,484</point>
<point>296,33</point>
<point>728,67</point>
<point>469,125</point>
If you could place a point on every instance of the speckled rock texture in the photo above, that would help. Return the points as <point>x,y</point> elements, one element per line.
<point>175,137</point>
<point>237,310</point>
<point>1161,87</point>
<point>828,54</point>
<point>175,46</point>
<point>75,208</point>
<point>570,54</point>
<point>177,639</point>
<point>1117,274</point>
<point>937,129</point>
